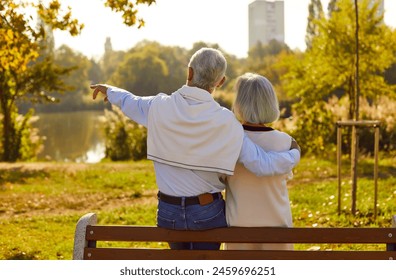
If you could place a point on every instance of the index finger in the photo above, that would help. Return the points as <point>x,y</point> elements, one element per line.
<point>98,88</point>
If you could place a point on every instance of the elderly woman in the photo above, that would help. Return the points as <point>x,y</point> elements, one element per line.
<point>253,201</point>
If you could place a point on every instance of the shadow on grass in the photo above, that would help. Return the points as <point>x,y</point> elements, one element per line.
<point>365,218</point>
<point>18,255</point>
<point>20,175</point>
<point>366,170</point>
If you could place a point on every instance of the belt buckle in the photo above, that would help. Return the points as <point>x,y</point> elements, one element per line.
<point>205,198</point>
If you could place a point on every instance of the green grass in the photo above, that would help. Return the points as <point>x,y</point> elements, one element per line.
<point>40,203</point>
<point>314,194</point>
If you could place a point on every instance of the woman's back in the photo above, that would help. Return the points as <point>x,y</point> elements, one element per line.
<point>259,201</point>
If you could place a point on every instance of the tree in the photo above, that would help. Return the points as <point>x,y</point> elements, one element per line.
<point>22,74</point>
<point>331,6</point>
<point>274,47</point>
<point>315,13</point>
<point>329,66</point>
<point>336,48</point>
<point>142,72</point>
<point>266,60</point>
<point>110,60</point>
<point>176,60</point>
<point>76,81</point>
<point>125,139</point>
<point>95,72</point>
<point>129,10</point>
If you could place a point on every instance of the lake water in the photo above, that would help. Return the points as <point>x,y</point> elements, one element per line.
<point>72,136</point>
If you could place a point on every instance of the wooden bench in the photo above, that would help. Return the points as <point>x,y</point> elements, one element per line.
<point>88,233</point>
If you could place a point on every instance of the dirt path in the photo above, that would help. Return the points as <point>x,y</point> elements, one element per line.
<point>29,204</point>
<point>38,205</point>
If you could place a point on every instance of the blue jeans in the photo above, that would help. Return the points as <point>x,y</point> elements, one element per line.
<point>192,217</point>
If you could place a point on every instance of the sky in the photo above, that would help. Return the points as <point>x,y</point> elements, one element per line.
<point>184,22</point>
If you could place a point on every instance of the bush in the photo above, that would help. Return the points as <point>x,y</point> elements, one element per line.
<point>382,110</point>
<point>31,142</point>
<point>25,139</point>
<point>125,139</point>
<point>314,125</point>
<point>224,98</point>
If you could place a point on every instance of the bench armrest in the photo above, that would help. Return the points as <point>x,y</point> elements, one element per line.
<point>80,241</point>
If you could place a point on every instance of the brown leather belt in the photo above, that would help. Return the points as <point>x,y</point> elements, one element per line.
<point>202,199</point>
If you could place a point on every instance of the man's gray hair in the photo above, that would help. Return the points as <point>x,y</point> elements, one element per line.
<point>256,100</point>
<point>209,67</point>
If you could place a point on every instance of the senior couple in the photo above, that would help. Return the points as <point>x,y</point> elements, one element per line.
<point>199,148</point>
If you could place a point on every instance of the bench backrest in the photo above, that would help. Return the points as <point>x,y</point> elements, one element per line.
<point>90,234</point>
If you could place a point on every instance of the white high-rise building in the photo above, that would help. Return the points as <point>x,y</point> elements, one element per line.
<point>266,21</point>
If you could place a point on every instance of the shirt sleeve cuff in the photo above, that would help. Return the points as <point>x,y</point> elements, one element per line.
<point>296,155</point>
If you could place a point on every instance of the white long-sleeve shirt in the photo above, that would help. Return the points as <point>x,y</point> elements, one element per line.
<point>177,181</point>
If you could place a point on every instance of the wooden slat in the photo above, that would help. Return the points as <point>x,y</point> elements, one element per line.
<point>166,254</point>
<point>238,235</point>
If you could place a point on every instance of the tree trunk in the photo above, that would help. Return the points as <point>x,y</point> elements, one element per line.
<point>355,135</point>
<point>10,148</point>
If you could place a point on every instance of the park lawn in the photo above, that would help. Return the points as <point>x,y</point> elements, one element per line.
<point>40,203</point>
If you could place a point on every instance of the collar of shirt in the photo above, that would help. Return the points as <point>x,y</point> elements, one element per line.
<point>195,93</point>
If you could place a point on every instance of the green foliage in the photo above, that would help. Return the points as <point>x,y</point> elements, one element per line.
<point>142,72</point>
<point>149,68</point>
<point>125,139</point>
<point>23,141</point>
<point>335,50</point>
<point>260,51</point>
<point>22,75</point>
<point>224,98</point>
<point>129,10</point>
<point>74,94</point>
<point>28,71</point>
<point>328,68</point>
<point>31,142</point>
<point>95,72</point>
<point>315,13</point>
<point>267,60</point>
<point>315,128</point>
<point>383,110</point>
<point>331,6</point>
<point>52,16</point>
<point>110,61</point>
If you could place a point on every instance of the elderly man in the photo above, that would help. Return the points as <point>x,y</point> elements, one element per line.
<point>194,143</point>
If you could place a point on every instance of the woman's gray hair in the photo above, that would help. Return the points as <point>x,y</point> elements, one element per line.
<point>209,67</point>
<point>256,100</point>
